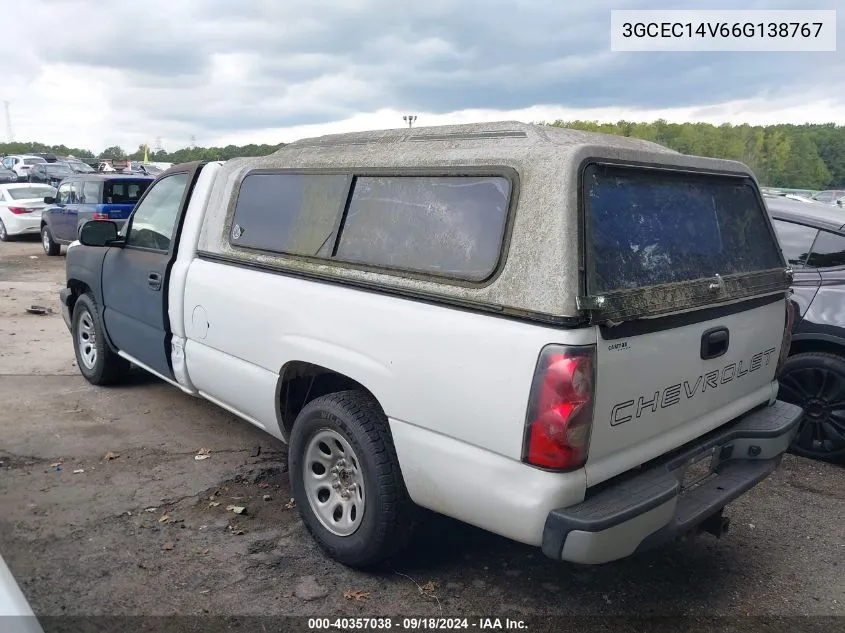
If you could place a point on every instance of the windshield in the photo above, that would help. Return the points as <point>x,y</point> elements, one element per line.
<point>58,170</point>
<point>27,193</point>
<point>125,191</point>
<point>33,161</point>
<point>79,167</point>
<point>649,227</point>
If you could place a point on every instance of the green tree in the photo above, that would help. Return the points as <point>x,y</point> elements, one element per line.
<point>112,152</point>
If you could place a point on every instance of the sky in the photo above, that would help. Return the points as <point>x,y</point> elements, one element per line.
<point>93,74</point>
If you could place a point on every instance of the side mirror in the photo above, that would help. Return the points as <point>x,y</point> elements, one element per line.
<point>49,200</point>
<point>98,233</point>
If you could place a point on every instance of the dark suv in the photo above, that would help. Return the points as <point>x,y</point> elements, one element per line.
<point>812,237</point>
<point>49,173</point>
<point>88,197</point>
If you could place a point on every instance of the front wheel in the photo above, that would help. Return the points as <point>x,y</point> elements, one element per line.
<point>346,479</point>
<point>47,243</point>
<point>96,361</point>
<point>816,382</point>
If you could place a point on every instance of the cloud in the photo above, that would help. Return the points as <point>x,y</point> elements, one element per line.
<point>222,70</point>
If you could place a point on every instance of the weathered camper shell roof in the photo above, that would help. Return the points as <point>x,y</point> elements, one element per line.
<point>539,272</point>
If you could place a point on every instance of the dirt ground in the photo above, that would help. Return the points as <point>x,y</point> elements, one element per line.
<point>148,531</point>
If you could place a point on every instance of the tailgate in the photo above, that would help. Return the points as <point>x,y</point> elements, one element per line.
<point>687,283</point>
<point>657,390</point>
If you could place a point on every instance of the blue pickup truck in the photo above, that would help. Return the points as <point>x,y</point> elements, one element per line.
<point>88,197</point>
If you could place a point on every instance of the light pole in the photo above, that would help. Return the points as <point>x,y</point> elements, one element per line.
<point>409,119</point>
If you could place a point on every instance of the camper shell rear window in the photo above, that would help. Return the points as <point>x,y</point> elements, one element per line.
<point>646,227</point>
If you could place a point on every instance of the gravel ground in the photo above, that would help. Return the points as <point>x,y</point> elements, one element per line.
<point>106,511</point>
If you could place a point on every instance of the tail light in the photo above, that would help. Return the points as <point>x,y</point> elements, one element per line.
<point>560,408</point>
<point>19,210</point>
<point>786,343</point>
<point>98,215</point>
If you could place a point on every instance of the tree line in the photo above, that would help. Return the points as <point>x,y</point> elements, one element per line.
<point>784,155</point>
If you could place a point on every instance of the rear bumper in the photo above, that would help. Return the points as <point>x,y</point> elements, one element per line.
<point>635,512</point>
<point>64,299</point>
<point>24,224</point>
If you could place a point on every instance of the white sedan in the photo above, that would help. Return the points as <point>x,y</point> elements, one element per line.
<point>20,208</point>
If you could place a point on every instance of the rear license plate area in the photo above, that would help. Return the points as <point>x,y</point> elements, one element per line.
<point>698,470</point>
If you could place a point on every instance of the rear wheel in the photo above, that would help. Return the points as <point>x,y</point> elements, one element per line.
<point>816,382</point>
<point>48,244</point>
<point>96,361</point>
<point>346,479</point>
<point>4,235</point>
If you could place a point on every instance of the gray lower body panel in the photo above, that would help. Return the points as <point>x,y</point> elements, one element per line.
<point>663,500</point>
<point>64,299</point>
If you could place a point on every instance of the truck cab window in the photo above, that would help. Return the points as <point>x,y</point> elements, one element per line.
<point>155,217</point>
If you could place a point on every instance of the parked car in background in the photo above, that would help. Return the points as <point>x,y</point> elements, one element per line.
<point>20,208</point>
<point>787,192</point>
<point>89,197</point>
<point>49,173</point>
<point>78,166</point>
<point>7,175</point>
<point>813,241</point>
<point>829,196</point>
<point>145,168</point>
<point>21,164</point>
<point>50,158</point>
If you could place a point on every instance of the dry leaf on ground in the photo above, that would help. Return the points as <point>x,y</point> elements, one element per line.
<point>290,504</point>
<point>357,595</point>
<point>429,588</point>
<point>164,518</point>
<point>110,456</point>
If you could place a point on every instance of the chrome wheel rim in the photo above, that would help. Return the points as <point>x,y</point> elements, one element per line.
<point>45,240</point>
<point>2,231</point>
<point>334,483</point>
<point>86,340</point>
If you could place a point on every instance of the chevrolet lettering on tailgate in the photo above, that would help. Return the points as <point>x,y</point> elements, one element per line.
<point>671,395</point>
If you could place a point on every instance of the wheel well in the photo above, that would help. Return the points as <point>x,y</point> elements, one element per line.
<point>811,345</point>
<point>77,289</point>
<point>301,382</point>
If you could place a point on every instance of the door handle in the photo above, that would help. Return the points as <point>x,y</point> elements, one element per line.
<point>154,281</point>
<point>714,342</point>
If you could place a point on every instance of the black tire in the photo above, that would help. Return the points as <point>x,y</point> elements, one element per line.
<point>816,382</point>
<point>107,367</point>
<point>4,236</point>
<point>48,243</point>
<point>389,515</point>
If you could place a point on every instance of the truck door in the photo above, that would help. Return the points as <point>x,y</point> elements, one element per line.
<point>135,276</point>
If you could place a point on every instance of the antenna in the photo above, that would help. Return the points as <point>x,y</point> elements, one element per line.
<point>9,136</point>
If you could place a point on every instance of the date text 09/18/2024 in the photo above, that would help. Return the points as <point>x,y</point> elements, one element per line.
<point>415,623</point>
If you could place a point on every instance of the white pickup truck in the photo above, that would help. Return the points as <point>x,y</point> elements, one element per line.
<point>568,339</point>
